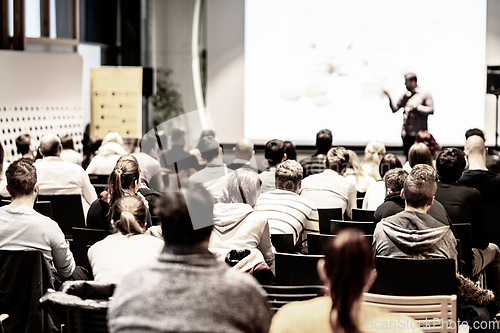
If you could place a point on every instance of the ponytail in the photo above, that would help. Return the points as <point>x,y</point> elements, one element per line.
<point>129,215</point>
<point>128,225</point>
<point>124,176</point>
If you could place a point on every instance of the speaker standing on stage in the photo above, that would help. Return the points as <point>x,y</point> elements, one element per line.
<point>418,105</point>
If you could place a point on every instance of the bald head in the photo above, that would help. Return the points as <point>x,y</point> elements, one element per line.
<point>50,145</point>
<point>244,149</point>
<point>475,146</point>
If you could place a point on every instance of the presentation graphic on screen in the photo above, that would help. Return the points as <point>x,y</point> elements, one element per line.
<point>325,64</point>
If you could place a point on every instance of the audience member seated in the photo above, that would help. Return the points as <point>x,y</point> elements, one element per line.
<point>356,175</point>
<point>238,227</point>
<point>348,271</point>
<point>419,153</point>
<point>290,150</point>
<point>3,179</point>
<point>288,212</point>
<point>426,138</point>
<point>177,158</point>
<point>56,176</point>
<point>196,152</point>
<point>316,163</point>
<point>394,201</point>
<point>374,152</point>
<point>23,229</point>
<point>329,189</point>
<point>375,194</point>
<point>124,180</point>
<point>105,159</point>
<point>26,146</point>
<point>274,152</point>
<point>150,167</point>
<point>464,205</point>
<point>187,289</point>
<point>413,232</point>
<point>68,153</point>
<point>127,248</point>
<point>244,156</point>
<point>215,173</point>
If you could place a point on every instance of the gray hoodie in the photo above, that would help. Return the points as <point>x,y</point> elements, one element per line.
<point>412,233</point>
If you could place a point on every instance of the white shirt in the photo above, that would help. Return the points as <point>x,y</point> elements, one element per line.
<point>72,156</point>
<point>375,195</point>
<point>213,177</point>
<point>105,160</point>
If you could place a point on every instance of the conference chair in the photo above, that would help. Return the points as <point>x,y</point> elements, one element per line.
<point>84,238</point>
<point>439,312</point>
<point>316,243</point>
<point>363,215</point>
<point>325,216</point>
<point>415,277</point>
<point>297,269</point>
<point>98,179</point>
<point>67,211</point>
<point>367,227</point>
<point>280,295</point>
<point>464,233</point>
<point>283,243</point>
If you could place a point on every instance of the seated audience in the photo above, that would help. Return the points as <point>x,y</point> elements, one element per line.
<point>347,271</point>
<point>274,152</point>
<point>244,156</point>
<point>68,153</point>
<point>26,146</point>
<point>177,158</point>
<point>316,163</point>
<point>124,180</point>
<point>290,150</point>
<point>105,159</point>
<point>329,189</point>
<point>127,248</point>
<point>288,212</point>
<point>374,152</point>
<point>187,289</point>
<point>238,227</point>
<point>356,175</point>
<point>464,205</point>
<point>196,152</point>
<point>375,194</point>
<point>24,229</point>
<point>215,173</point>
<point>413,232</point>
<point>150,166</point>
<point>419,153</point>
<point>56,176</point>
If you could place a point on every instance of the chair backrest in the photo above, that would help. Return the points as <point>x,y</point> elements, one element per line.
<point>464,233</point>
<point>99,188</point>
<point>283,243</point>
<point>432,313</point>
<point>44,208</point>
<point>297,269</point>
<point>415,277</point>
<point>24,277</point>
<point>281,295</point>
<point>316,242</point>
<point>98,179</point>
<point>67,211</point>
<point>83,238</point>
<point>364,215</point>
<point>325,216</point>
<point>367,227</point>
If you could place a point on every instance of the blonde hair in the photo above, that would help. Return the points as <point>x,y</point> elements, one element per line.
<point>242,186</point>
<point>374,152</point>
<point>112,137</point>
<point>355,165</point>
<point>129,216</point>
<point>288,175</point>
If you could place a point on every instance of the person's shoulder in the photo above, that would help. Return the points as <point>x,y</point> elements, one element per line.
<point>303,316</point>
<point>237,282</point>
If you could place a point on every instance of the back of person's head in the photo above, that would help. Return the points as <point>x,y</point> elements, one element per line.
<point>288,176</point>
<point>209,148</point>
<point>348,269</point>
<point>394,179</point>
<point>112,137</point>
<point>23,143</point>
<point>474,131</point>
<point>337,159</point>
<point>149,142</point>
<point>178,136</point>
<point>475,146</point>
<point>274,151</point>
<point>50,145</point>
<point>21,178</point>
<point>242,186</point>
<point>291,152</point>
<point>420,185</point>
<point>411,77</point>
<point>427,138</point>
<point>374,152</point>
<point>67,142</point>
<point>125,175</point>
<point>207,133</point>
<point>389,162</point>
<point>244,149</point>
<point>419,153</point>
<point>354,163</point>
<point>324,141</point>
<point>129,216</point>
<point>450,164</point>
<point>185,215</point>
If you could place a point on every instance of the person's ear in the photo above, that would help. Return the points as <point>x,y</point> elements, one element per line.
<point>431,201</point>
<point>35,188</point>
<point>284,157</point>
<point>322,272</point>
<point>234,149</point>
<point>486,152</point>
<point>402,194</point>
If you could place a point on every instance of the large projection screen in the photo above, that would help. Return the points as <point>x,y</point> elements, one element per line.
<point>324,63</point>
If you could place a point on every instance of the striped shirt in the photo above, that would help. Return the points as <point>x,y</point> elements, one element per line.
<point>313,165</point>
<point>289,213</point>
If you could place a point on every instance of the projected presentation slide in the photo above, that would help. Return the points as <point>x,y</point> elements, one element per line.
<point>325,64</point>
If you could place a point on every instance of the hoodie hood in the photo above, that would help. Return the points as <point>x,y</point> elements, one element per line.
<point>111,148</point>
<point>228,216</point>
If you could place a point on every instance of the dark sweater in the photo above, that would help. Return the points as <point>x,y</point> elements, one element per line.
<point>97,216</point>
<point>464,205</point>
<point>486,182</point>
